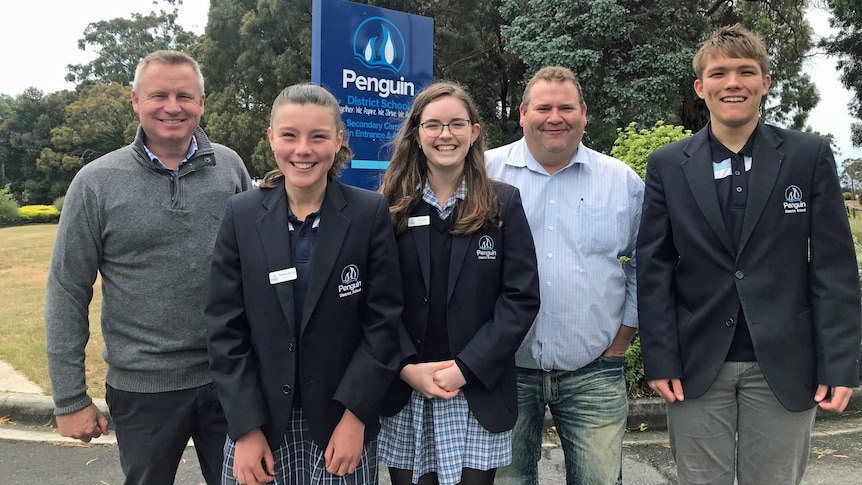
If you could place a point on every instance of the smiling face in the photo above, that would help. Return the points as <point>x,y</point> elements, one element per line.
<point>732,89</point>
<point>169,104</point>
<point>445,150</point>
<point>554,121</point>
<point>304,140</point>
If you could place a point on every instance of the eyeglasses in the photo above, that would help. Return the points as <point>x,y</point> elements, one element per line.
<point>457,126</point>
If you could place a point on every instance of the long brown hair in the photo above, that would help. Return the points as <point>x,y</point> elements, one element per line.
<point>408,169</point>
<point>313,94</point>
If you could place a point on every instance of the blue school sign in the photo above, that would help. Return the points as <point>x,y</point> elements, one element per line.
<point>374,61</point>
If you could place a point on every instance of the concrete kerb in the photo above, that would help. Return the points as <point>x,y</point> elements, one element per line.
<point>33,409</point>
<point>645,414</point>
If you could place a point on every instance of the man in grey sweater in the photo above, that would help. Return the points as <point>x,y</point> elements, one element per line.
<point>145,218</point>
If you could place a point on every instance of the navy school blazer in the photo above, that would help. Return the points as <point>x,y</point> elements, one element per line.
<point>347,352</point>
<point>493,298</point>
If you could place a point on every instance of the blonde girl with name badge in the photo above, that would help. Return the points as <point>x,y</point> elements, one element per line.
<point>304,308</point>
<point>470,282</point>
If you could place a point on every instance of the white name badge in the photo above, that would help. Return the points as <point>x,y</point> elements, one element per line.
<point>281,276</point>
<point>419,221</point>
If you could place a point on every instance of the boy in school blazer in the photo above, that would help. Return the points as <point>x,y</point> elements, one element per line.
<point>748,290</point>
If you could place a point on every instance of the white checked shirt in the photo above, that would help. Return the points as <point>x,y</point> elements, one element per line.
<point>583,219</point>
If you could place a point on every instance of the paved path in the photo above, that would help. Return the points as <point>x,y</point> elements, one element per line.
<point>32,452</point>
<point>36,454</point>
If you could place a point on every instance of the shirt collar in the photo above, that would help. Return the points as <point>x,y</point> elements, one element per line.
<point>522,157</point>
<point>721,153</point>
<point>445,209</point>
<point>193,147</point>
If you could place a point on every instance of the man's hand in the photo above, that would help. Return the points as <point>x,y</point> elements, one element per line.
<point>83,425</point>
<point>837,402</point>
<point>621,342</point>
<point>669,389</point>
<point>344,450</point>
<point>250,455</point>
<point>421,378</point>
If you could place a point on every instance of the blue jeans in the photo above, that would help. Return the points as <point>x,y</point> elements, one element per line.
<point>589,407</point>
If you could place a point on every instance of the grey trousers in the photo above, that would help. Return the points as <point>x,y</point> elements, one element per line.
<point>739,429</point>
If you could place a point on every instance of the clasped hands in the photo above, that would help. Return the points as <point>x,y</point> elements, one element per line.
<point>442,379</point>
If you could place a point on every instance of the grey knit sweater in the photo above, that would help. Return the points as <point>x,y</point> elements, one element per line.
<point>150,235</point>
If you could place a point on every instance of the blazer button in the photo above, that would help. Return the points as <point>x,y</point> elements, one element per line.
<point>418,342</point>
<point>290,347</point>
<point>286,389</point>
<point>728,322</point>
<point>739,275</point>
<point>425,301</point>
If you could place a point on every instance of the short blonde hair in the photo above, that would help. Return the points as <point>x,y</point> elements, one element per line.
<point>171,58</point>
<point>732,41</point>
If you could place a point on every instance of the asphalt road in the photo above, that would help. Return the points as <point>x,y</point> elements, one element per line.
<point>836,458</point>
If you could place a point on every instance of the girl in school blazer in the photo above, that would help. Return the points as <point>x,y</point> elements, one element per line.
<point>471,293</point>
<point>303,310</point>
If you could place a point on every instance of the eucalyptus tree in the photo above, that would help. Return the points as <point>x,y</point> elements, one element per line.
<point>634,56</point>
<point>24,132</point>
<point>250,51</point>
<point>846,44</point>
<point>120,43</point>
<point>98,122</point>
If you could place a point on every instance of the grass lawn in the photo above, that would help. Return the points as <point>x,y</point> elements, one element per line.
<point>856,225</point>
<point>24,255</point>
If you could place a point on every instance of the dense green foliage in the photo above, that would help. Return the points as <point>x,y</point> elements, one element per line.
<point>8,207</point>
<point>847,45</point>
<point>634,371</point>
<point>633,146</point>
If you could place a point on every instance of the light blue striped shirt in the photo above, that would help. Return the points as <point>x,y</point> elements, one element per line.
<point>583,219</point>
<point>193,147</point>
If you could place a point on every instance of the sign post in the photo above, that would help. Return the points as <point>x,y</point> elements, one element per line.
<point>374,61</point>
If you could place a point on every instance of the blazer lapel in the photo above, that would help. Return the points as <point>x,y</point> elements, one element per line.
<point>422,242</point>
<point>460,245</point>
<point>275,241</point>
<point>765,165</point>
<point>330,238</point>
<point>701,179</point>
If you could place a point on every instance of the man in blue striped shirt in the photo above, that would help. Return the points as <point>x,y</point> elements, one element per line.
<point>584,211</point>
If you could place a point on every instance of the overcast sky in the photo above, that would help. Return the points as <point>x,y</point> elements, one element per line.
<point>40,38</point>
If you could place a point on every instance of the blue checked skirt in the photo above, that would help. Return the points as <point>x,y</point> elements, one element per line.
<point>442,436</point>
<point>299,461</point>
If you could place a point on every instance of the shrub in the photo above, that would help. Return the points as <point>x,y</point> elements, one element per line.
<point>847,195</point>
<point>634,371</point>
<point>58,203</point>
<point>32,214</point>
<point>8,207</point>
<point>632,146</point>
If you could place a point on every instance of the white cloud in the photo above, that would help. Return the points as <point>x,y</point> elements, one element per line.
<point>40,38</point>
